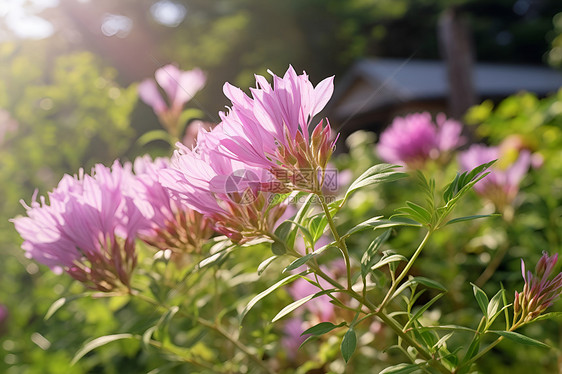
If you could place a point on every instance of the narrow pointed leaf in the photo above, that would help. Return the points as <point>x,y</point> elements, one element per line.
<point>96,343</point>
<point>303,260</point>
<point>265,264</point>
<point>348,344</point>
<point>428,283</point>
<point>376,174</point>
<point>322,328</point>
<point>263,294</point>
<point>422,310</point>
<point>520,338</point>
<point>470,218</point>
<point>400,369</point>
<point>481,299</point>
<point>548,316</point>
<point>388,260</point>
<point>294,305</point>
<point>377,223</point>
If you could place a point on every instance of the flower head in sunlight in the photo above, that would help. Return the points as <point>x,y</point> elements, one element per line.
<point>224,190</point>
<point>502,184</point>
<point>87,229</point>
<point>270,129</point>
<point>178,86</point>
<point>170,225</point>
<point>415,139</point>
<point>539,292</point>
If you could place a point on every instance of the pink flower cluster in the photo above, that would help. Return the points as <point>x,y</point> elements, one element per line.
<point>502,184</point>
<point>262,146</point>
<point>539,292</point>
<point>89,226</point>
<point>415,139</point>
<point>179,87</point>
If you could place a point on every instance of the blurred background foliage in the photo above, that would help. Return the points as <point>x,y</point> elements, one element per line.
<point>68,73</point>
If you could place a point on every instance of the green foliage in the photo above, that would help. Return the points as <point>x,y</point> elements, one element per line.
<point>69,113</point>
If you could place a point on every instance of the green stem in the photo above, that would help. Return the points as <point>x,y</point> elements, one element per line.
<point>514,327</point>
<point>405,271</point>
<point>389,321</point>
<point>339,241</point>
<point>484,351</point>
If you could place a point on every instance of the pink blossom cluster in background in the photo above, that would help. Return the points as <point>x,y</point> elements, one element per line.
<point>502,184</point>
<point>178,87</point>
<point>415,139</point>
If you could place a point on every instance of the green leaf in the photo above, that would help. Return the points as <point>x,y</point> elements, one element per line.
<point>428,283</point>
<point>59,303</point>
<point>164,322</point>
<point>317,225</point>
<point>548,316</point>
<point>422,310</point>
<point>303,260</point>
<point>376,174</point>
<point>96,343</point>
<point>481,298</point>
<point>279,247</point>
<point>520,338</point>
<point>54,307</point>
<point>421,212</point>
<point>368,258</point>
<point>299,218</point>
<point>294,305</point>
<point>449,327</point>
<point>473,348</point>
<point>298,262</point>
<point>155,135</point>
<point>217,257</point>
<point>378,223</point>
<point>400,369</point>
<point>263,294</point>
<point>306,233</point>
<point>463,180</point>
<point>348,344</point>
<point>322,328</point>
<point>442,341</point>
<point>147,336</point>
<point>265,264</point>
<point>493,308</point>
<point>470,218</point>
<point>388,260</point>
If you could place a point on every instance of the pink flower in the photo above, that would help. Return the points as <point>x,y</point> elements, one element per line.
<point>192,130</point>
<point>179,87</point>
<point>226,191</point>
<point>7,124</point>
<point>539,292</point>
<point>87,229</point>
<point>415,139</point>
<point>170,225</point>
<point>4,314</point>
<point>292,338</point>
<point>271,129</point>
<point>502,184</point>
<point>320,307</point>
